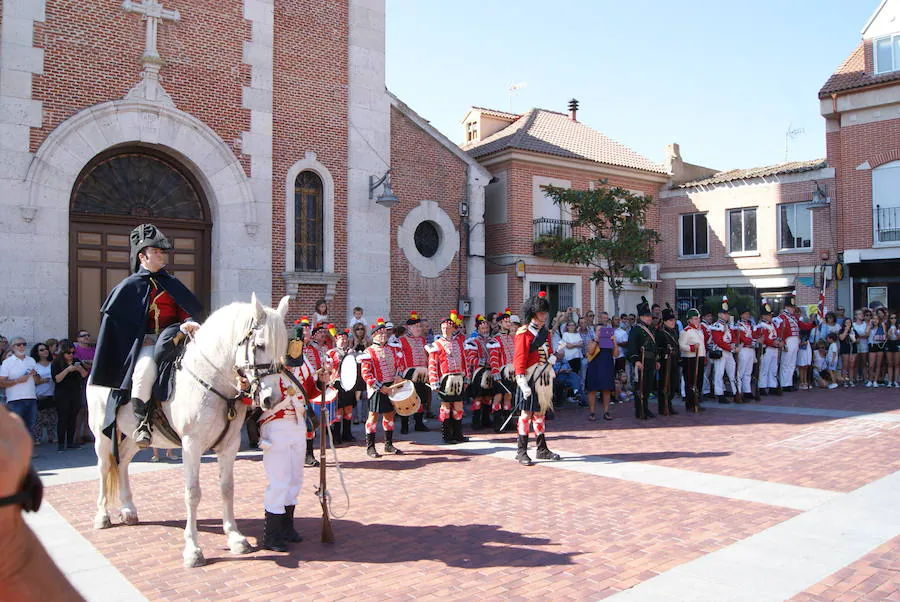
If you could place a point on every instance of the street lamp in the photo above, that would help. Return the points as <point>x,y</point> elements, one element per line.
<point>386,198</point>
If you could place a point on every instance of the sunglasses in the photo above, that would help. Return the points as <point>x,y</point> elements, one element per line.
<point>83,334</point>
<point>70,352</point>
<point>18,344</point>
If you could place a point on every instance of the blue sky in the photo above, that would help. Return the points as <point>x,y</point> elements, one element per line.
<point>725,80</point>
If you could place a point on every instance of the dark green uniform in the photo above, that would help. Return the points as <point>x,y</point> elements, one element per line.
<point>642,347</point>
<point>668,355</point>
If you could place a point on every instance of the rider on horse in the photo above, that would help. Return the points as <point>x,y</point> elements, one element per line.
<point>134,316</point>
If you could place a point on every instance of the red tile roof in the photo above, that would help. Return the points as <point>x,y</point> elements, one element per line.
<point>552,133</point>
<point>757,172</point>
<point>852,74</point>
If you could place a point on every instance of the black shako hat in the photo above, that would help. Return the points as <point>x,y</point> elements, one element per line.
<point>643,308</point>
<point>668,313</point>
<point>536,304</point>
<point>146,235</point>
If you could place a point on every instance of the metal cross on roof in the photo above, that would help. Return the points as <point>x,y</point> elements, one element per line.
<point>152,12</point>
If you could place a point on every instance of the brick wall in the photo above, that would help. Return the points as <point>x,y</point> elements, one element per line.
<point>310,114</point>
<point>203,74</point>
<point>424,170</point>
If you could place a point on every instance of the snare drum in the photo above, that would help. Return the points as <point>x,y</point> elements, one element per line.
<point>331,396</point>
<point>405,400</point>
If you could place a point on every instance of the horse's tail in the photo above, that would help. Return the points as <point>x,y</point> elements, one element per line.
<point>111,478</point>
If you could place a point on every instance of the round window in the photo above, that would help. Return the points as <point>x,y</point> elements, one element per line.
<point>427,238</point>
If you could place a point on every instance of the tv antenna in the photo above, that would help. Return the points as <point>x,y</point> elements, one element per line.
<point>790,134</point>
<point>513,88</point>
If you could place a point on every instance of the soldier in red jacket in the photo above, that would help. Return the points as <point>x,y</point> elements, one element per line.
<point>533,365</point>
<point>381,365</point>
<point>502,354</point>
<point>448,375</point>
<point>415,358</point>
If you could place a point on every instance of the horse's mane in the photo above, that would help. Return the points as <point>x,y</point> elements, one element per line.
<point>230,323</point>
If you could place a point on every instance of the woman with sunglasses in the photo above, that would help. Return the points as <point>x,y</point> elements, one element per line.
<point>46,404</point>
<point>892,351</point>
<point>69,375</point>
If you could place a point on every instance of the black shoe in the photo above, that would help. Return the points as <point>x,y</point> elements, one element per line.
<point>346,433</point>
<point>763,393</point>
<point>289,532</point>
<point>650,414</point>
<point>543,452</point>
<point>273,535</point>
<point>457,432</point>
<point>722,399</point>
<point>790,389</point>
<point>389,444</point>
<point>60,448</point>
<point>777,392</point>
<point>141,435</point>
<point>447,431</point>
<point>404,425</point>
<point>370,446</point>
<point>420,423</point>
<point>310,459</point>
<point>522,451</point>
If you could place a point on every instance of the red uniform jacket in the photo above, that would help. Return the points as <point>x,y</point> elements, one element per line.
<point>381,364</point>
<point>789,326</point>
<point>722,336</point>
<point>768,333</point>
<point>315,355</point>
<point>446,357</point>
<point>477,353</point>
<point>744,333</point>
<point>503,352</point>
<point>414,354</point>
<point>163,311</point>
<point>291,406</point>
<point>524,357</point>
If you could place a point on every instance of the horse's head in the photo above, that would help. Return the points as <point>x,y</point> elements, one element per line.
<point>259,355</point>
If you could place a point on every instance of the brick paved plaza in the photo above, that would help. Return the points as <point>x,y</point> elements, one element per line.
<point>794,498</point>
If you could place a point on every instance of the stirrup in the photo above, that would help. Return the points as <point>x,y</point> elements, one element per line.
<point>142,436</point>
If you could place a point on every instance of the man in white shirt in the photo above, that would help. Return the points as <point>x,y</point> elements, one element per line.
<point>18,375</point>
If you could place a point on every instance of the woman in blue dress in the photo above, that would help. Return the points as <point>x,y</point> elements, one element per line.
<point>601,371</point>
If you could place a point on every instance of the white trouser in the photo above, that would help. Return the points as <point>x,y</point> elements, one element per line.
<point>284,446</point>
<point>768,368</point>
<point>144,374</point>
<point>789,361</point>
<point>746,359</point>
<point>707,370</point>
<point>724,365</point>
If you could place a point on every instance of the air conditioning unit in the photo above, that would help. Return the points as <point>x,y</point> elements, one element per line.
<point>649,272</point>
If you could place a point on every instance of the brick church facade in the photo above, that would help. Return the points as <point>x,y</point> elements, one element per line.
<point>250,131</point>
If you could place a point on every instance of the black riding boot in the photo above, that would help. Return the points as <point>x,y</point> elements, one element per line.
<point>404,425</point>
<point>420,422</point>
<point>447,430</point>
<point>273,535</point>
<point>290,533</point>
<point>141,434</point>
<point>543,452</point>
<point>486,418</point>
<point>522,451</point>
<point>476,419</point>
<point>346,433</point>
<point>336,433</point>
<point>389,443</point>
<point>310,459</point>
<point>457,432</point>
<point>370,446</point>
<point>640,407</point>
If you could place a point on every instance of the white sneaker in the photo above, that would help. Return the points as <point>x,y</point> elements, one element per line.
<point>868,384</point>
<point>833,386</point>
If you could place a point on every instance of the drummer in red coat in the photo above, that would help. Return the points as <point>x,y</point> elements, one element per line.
<point>502,352</point>
<point>533,364</point>
<point>478,356</point>
<point>448,374</point>
<point>381,365</point>
<point>415,358</point>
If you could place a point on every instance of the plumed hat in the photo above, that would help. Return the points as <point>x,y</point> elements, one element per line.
<point>380,324</point>
<point>535,305</point>
<point>668,313</point>
<point>294,356</point>
<point>765,308</point>
<point>413,318</point>
<point>146,235</point>
<point>643,308</point>
<point>724,308</point>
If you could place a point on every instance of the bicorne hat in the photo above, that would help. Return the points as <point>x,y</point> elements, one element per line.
<point>146,235</point>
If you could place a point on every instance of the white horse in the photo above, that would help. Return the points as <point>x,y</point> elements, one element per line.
<point>241,337</point>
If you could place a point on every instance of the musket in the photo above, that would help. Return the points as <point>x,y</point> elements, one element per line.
<point>641,386</point>
<point>695,391</point>
<point>778,389</point>
<point>754,375</point>
<point>666,384</point>
<point>322,492</point>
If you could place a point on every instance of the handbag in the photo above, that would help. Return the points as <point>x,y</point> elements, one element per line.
<point>715,354</point>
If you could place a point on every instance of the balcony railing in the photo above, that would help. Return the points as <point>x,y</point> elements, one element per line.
<point>887,224</point>
<point>546,230</point>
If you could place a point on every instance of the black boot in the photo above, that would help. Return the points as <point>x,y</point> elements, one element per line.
<point>476,419</point>
<point>346,433</point>
<point>420,423</point>
<point>777,392</point>
<point>336,433</point>
<point>522,452</point>
<point>457,432</point>
<point>739,398</point>
<point>447,430</point>
<point>290,533</point>
<point>370,446</point>
<point>543,452</point>
<point>723,399</point>
<point>404,425</point>
<point>486,417</point>
<point>310,459</point>
<point>763,392</point>
<point>141,434</point>
<point>499,418</point>
<point>389,444</point>
<point>273,535</point>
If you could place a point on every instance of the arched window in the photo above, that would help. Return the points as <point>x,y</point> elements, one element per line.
<point>309,252</point>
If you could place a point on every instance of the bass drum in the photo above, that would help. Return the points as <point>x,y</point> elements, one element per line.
<point>350,372</point>
<point>405,400</point>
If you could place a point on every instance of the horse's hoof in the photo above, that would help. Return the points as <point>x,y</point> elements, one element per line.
<point>194,560</point>
<point>129,518</point>
<point>102,522</point>
<point>240,547</point>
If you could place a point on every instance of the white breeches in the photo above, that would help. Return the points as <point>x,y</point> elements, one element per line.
<point>768,368</point>
<point>707,371</point>
<point>724,365</point>
<point>144,374</point>
<point>789,361</point>
<point>284,447</point>
<point>746,359</point>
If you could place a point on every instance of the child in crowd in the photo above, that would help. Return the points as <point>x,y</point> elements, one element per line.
<point>804,360</point>
<point>622,392</point>
<point>822,376</point>
<point>358,317</point>
<point>832,357</point>
<point>321,314</point>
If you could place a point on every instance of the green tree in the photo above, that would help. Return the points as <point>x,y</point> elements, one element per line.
<point>737,303</point>
<point>609,235</point>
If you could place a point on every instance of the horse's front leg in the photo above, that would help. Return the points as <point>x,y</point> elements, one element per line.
<point>237,543</point>
<point>108,480</point>
<point>127,450</point>
<point>191,454</point>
